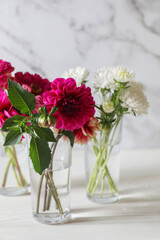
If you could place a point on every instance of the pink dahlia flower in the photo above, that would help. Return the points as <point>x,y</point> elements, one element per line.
<point>5,72</point>
<point>33,83</point>
<point>6,109</point>
<point>84,134</point>
<point>75,104</point>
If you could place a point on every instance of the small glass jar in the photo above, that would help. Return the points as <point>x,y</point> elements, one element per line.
<point>14,174</point>
<point>102,157</point>
<point>50,191</point>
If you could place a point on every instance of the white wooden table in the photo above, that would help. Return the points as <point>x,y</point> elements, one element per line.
<point>135,216</point>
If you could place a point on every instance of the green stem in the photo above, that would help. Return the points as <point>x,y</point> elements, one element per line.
<point>53,191</point>
<point>50,183</point>
<point>53,148</point>
<point>107,174</point>
<point>13,159</point>
<point>97,182</point>
<point>102,187</point>
<point>39,192</point>
<point>100,163</point>
<point>45,197</point>
<point>6,173</point>
<point>22,179</point>
<point>15,174</point>
<point>93,170</point>
<point>56,193</point>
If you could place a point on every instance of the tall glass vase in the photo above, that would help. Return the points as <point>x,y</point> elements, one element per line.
<point>14,175</point>
<point>102,156</point>
<point>50,191</point>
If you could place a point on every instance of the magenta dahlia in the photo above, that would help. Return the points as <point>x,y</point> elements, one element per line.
<point>33,83</point>
<point>75,104</point>
<point>5,72</point>
<point>6,109</point>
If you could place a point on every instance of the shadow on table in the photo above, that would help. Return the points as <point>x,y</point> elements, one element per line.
<point>139,201</point>
<point>116,219</point>
<point>97,216</point>
<point>142,189</point>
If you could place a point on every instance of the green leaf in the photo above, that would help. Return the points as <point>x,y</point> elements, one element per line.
<point>21,99</point>
<point>12,122</point>
<point>40,154</point>
<point>70,135</point>
<point>44,133</point>
<point>27,129</point>
<point>13,137</point>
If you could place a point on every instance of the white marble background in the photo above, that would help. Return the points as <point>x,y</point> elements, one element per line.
<point>50,36</point>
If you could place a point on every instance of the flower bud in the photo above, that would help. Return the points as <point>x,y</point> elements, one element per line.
<point>39,110</point>
<point>42,121</point>
<point>108,107</point>
<point>51,121</point>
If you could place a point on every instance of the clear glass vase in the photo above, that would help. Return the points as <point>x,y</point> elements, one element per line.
<point>14,174</point>
<point>51,191</point>
<point>102,157</point>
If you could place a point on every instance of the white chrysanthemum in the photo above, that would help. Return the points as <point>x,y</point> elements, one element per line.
<point>134,99</point>
<point>79,74</point>
<point>108,107</point>
<point>121,74</point>
<point>104,79</point>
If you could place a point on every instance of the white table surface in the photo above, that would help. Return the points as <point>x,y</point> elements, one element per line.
<point>135,216</point>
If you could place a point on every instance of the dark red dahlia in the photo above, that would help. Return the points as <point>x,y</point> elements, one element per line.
<point>33,83</point>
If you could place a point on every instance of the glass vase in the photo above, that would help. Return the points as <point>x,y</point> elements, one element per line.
<point>50,191</point>
<point>102,157</point>
<point>14,175</point>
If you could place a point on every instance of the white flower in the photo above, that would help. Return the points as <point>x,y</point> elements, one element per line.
<point>108,107</point>
<point>134,99</point>
<point>121,74</point>
<point>104,79</point>
<point>79,74</point>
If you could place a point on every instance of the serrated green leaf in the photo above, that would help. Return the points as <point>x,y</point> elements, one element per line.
<point>70,135</point>
<point>20,98</point>
<point>11,122</point>
<point>44,133</point>
<point>13,137</point>
<point>40,154</point>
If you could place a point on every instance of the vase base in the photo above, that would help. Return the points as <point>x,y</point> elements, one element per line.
<point>14,191</point>
<point>106,199</point>
<point>52,218</point>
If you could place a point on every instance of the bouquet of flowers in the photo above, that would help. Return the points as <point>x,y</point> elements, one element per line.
<point>36,86</point>
<point>64,108</point>
<point>40,109</point>
<point>6,111</point>
<point>120,94</point>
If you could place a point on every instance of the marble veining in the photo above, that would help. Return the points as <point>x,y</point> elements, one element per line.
<point>50,36</point>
